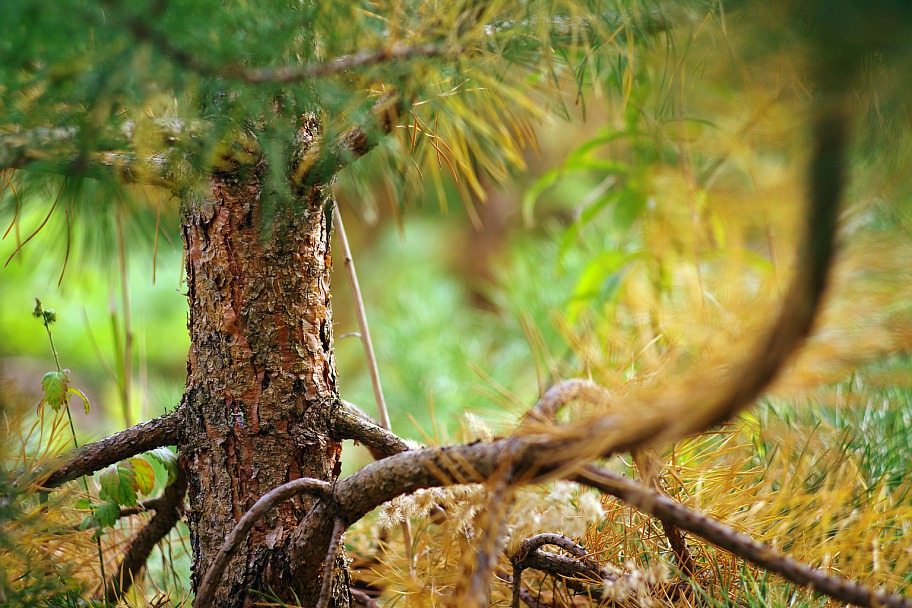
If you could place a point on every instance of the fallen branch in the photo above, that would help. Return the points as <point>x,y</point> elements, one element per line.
<point>741,545</point>
<point>169,510</point>
<point>161,431</point>
<point>261,507</point>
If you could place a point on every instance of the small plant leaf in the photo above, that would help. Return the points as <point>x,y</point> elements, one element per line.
<point>118,482</point>
<point>144,475</point>
<point>55,386</point>
<point>85,400</point>
<point>107,513</point>
<point>167,459</point>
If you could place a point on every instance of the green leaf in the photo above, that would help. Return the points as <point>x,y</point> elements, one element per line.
<point>600,282</point>
<point>107,513</point>
<point>55,386</point>
<point>81,395</point>
<point>83,503</point>
<point>535,191</point>
<point>118,482</point>
<point>145,475</point>
<point>167,459</point>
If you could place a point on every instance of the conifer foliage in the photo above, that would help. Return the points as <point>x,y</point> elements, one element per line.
<point>250,114</point>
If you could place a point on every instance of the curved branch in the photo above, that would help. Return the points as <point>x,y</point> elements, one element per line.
<point>565,392</point>
<point>741,545</point>
<point>266,503</point>
<point>161,431</point>
<point>169,509</point>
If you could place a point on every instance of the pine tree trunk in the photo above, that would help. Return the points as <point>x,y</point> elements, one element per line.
<point>261,384</point>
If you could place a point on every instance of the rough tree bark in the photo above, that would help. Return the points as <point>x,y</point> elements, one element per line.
<point>261,382</point>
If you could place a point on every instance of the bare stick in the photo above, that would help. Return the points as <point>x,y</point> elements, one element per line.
<point>266,503</point>
<point>369,354</point>
<point>741,545</point>
<point>161,431</point>
<point>531,544</point>
<point>362,319</point>
<point>168,512</point>
<point>330,563</point>
<point>649,466</point>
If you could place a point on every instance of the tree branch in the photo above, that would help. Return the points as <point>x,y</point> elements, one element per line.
<point>479,566</point>
<point>558,396</point>
<point>329,563</point>
<point>161,431</point>
<point>329,67</point>
<point>56,150</point>
<point>352,423</point>
<point>741,545</point>
<point>266,503</point>
<point>168,512</point>
<point>362,599</point>
<point>288,74</point>
<point>150,504</point>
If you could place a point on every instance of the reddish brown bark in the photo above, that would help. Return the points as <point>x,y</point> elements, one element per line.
<point>261,384</point>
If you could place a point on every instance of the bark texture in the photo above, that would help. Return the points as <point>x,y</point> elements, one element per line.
<point>261,386</point>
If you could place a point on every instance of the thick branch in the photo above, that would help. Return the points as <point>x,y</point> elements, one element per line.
<point>739,544</point>
<point>164,430</point>
<point>168,512</point>
<point>352,423</point>
<point>260,508</point>
<point>57,150</point>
